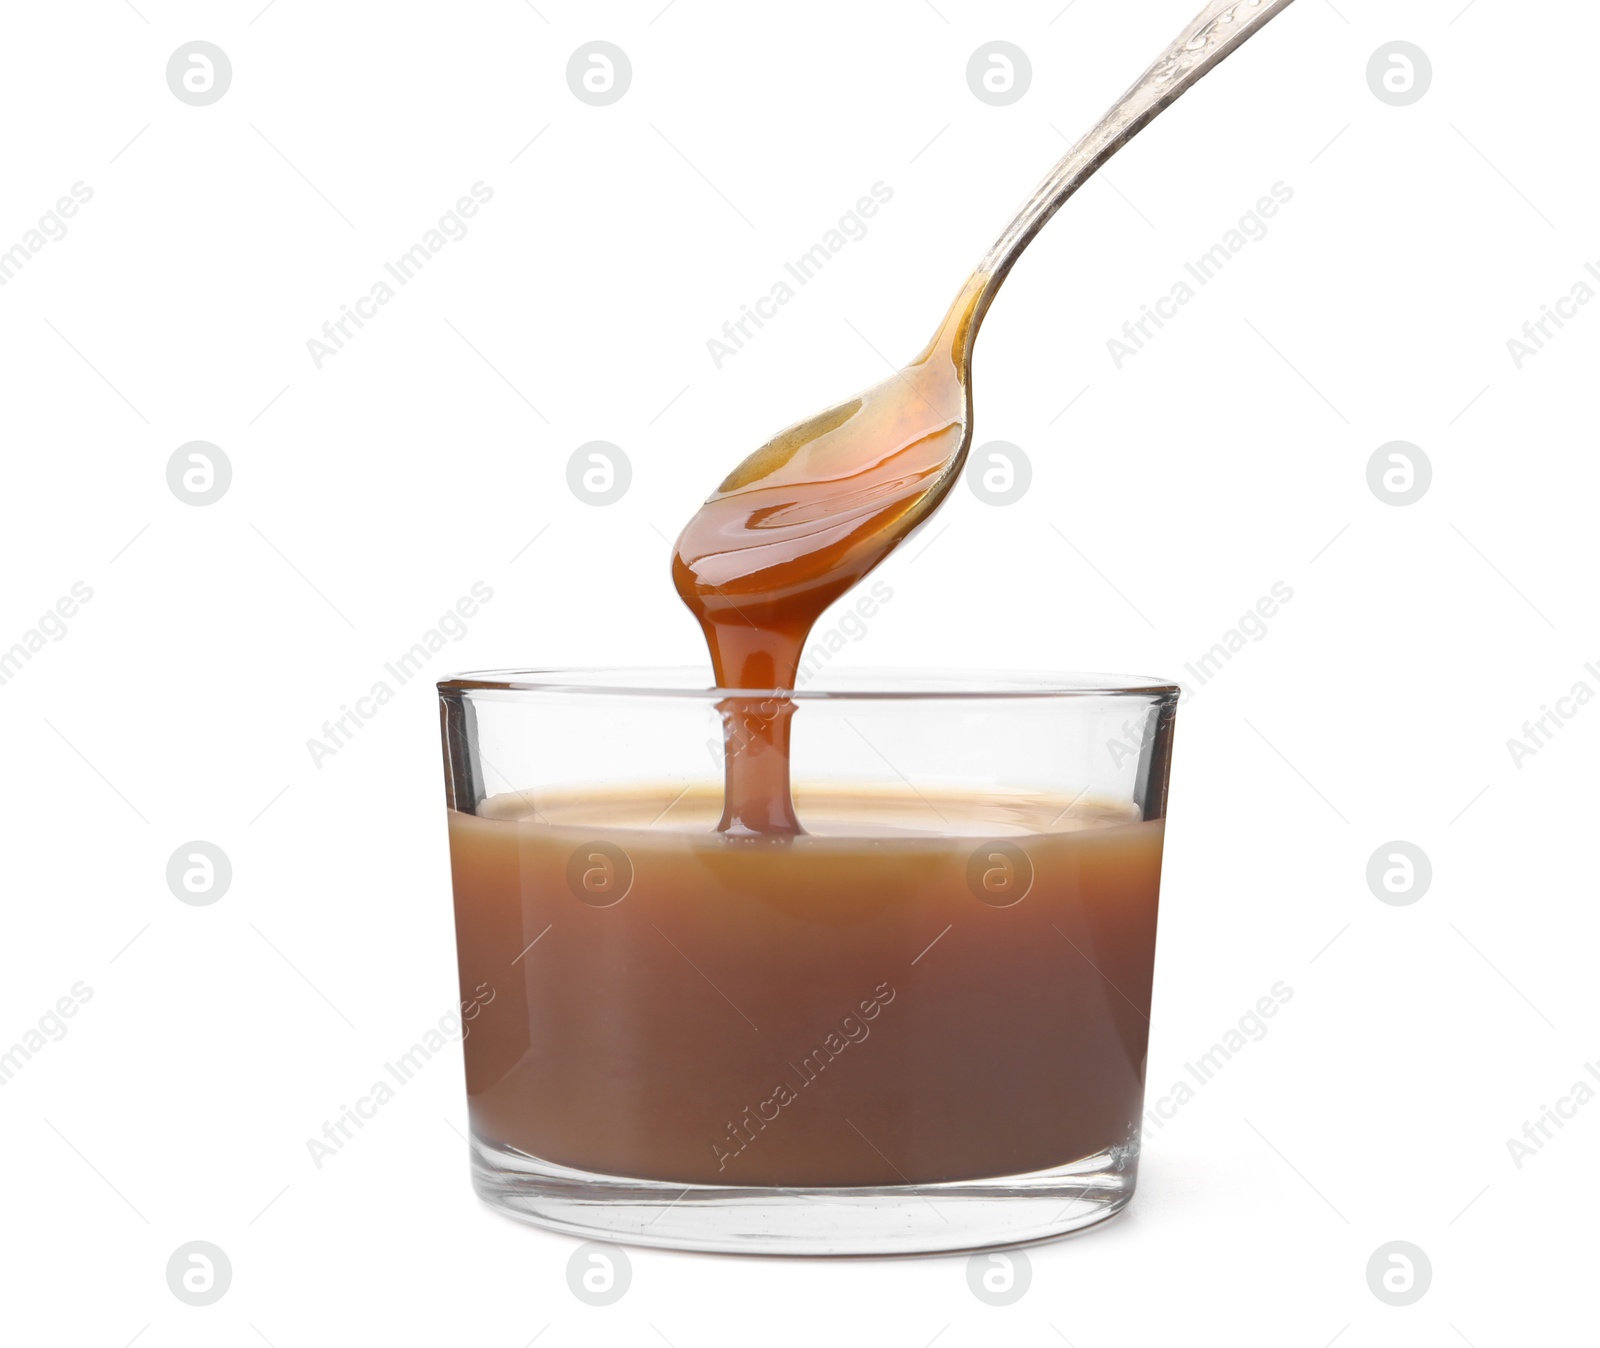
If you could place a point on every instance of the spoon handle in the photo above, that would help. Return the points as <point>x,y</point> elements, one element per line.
<point>1211,37</point>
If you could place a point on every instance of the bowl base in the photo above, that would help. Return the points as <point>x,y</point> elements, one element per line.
<point>887,1220</point>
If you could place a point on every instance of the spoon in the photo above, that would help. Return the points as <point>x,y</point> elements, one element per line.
<point>821,504</point>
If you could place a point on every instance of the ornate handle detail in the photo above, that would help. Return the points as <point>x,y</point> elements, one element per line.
<point>1214,35</point>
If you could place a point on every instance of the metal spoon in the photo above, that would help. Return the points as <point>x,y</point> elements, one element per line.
<point>811,512</point>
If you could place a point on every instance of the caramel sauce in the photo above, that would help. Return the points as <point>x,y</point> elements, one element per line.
<point>798,524</point>
<point>740,1019</point>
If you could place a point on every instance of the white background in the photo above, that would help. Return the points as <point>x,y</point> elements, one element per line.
<point>369,494</point>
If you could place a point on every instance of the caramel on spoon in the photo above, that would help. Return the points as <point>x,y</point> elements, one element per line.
<point>821,504</point>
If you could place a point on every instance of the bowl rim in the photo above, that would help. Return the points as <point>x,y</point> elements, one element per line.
<point>829,686</point>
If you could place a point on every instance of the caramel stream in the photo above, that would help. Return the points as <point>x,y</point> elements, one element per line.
<point>799,523</point>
